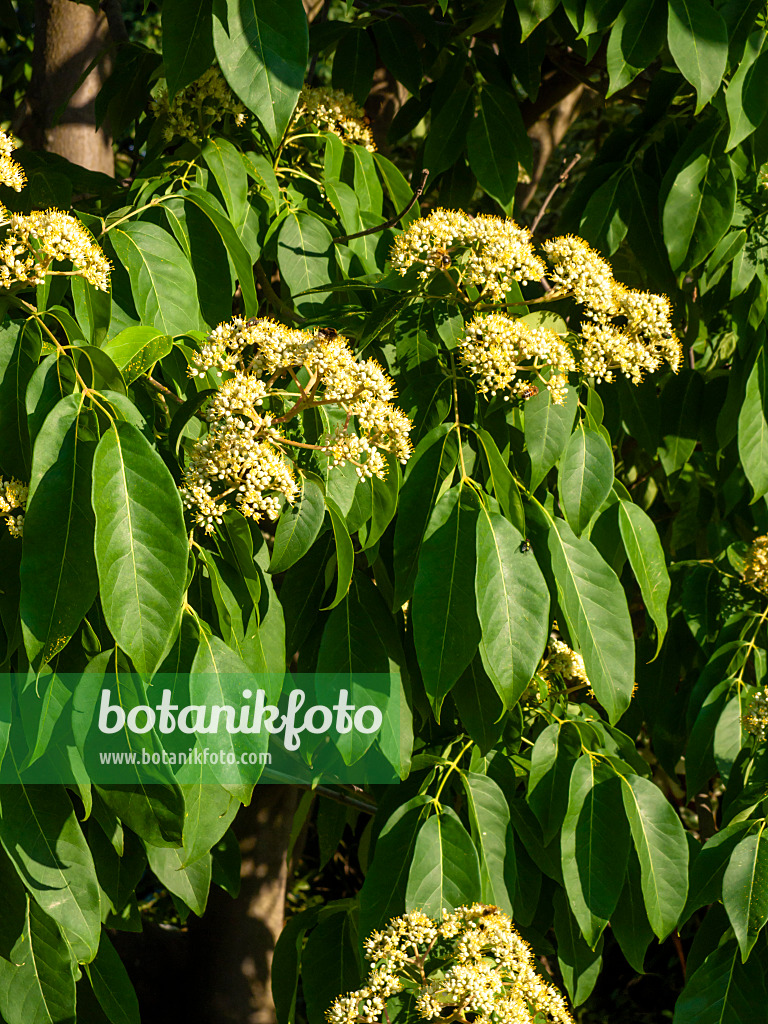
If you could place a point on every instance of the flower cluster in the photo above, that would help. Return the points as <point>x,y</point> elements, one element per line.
<point>472,964</point>
<point>755,721</point>
<point>561,661</point>
<point>488,252</point>
<point>36,240</point>
<point>11,173</point>
<point>756,565</point>
<point>13,501</point>
<point>198,108</point>
<point>334,111</point>
<point>245,451</point>
<point>497,347</point>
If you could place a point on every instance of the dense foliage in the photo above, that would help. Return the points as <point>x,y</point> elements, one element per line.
<point>422,441</point>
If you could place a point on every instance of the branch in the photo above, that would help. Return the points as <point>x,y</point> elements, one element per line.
<point>163,390</point>
<point>393,220</point>
<point>114,13</point>
<point>548,199</point>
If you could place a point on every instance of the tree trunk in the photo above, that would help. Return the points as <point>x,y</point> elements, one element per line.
<point>68,38</point>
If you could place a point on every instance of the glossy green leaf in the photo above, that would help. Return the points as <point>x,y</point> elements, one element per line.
<point>724,991</point>
<point>41,835</point>
<point>595,845</point>
<point>448,131</point>
<point>681,408</point>
<point>635,40</point>
<point>661,847</point>
<point>20,346</point>
<point>446,629</point>
<point>262,48</point>
<point>191,883</point>
<point>629,921</point>
<point>298,526</point>
<point>646,556</point>
<point>345,553</point>
<point>745,92</point>
<point>547,429</point>
<point>434,458</point>
<point>58,570</point>
<point>141,545</point>
<point>329,964</point>
<point>445,872</point>
<point>354,63</point>
<point>489,822</point>
<point>493,144</point>
<point>745,890</point>
<point>479,705</point>
<point>112,986</point>
<point>585,476</point>
<point>136,349</point>
<point>552,759</point>
<point>163,283</point>
<point>304,247</point>
<point>38,986</point>
<point>753,428</point>
<point>187,42</point>
<point>580,965</point>
<point>698,42</point>
<point>595,609</point>
<point>504,486</point>
<point>512,606</point>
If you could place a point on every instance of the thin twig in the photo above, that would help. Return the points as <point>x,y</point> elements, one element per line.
<point>393,220</point>
<point>560,181</point>
<point>273,298</point>
<point>164,390</point>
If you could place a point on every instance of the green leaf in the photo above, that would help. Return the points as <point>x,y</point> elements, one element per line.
<point>187,42</point>
<point>262,47</point>
<point>435,457</point>
<point>446,630</point>
<point>227,166</point>
<point>552,760</point>
<point>330,964</point>
<point>699,206</point>
<point>533,12</point>
<point>745,890</point>
<point>547,429</point>
<point>681,405</point>
<point>41,835</point>
<point>13,907</point>
<point>93,309</point>
<point>504,486</point>
<point>345,553</point>
<point>382,895</point>
<point>492,144</point>
<point>399,53</point>
<point>489,822</point>
<point>629,921</point>
<point>585,476</point>
<point>662,850</point>
<point>479,706</point>
<point>603,222</point>
<point>445,871</point>
<point>354,63</point>
<point>595,609</point>
<point>112,986</point>
<point>448,131</point>
<point>512,606</point>
<point>304,247</point>
<point>163,283</point>
<point>595,845</point>
<point>646,556</point>
<point>141,545</point>
<point>20,346</point>
<point>298,526</point>
<point>635,40</point>
<point>38,987</point>
<point>724,991</point>
<point>58,570</point>
<point>580,965</point>
<point>191,883</point>
<point>136,349</point>
<point>753,427</point>
<point>746,90</point>
<point>698,42</point>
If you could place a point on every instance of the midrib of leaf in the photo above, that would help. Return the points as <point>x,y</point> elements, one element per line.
<point>450,589</point>
<point>501,578</point>
<point>646,839</point>
<point>124,480</point>
<point>155,292</point>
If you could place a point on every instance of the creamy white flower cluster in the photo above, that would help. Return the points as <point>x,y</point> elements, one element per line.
<point>11,173</point>
<point>625,329</point>
<point>199,107</point>
<point>755,721</point>
<point>36,240</point>
<point>489,252</point>
<point>13,501</point>
<point>756,567</point>
<point>334,111</point>
<point>471,962</point>
<point>496,347</point>
<point>245,454</point>
<point>561,661</point>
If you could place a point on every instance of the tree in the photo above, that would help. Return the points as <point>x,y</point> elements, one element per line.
<point>496,481</point>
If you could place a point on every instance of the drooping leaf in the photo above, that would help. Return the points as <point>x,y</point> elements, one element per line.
<point>698,42</point>
<point>489,821</point>
<point>262,48</point>
<point>585,477</point>
<point>753,427</point>
<point>547,429</point>
<point>112,986</point>
<point>646,556</point>
<point>723,990</point>
<point>636,38</point>
<point>579,963</point>
<point>187,42</point>
<point>445,872</point>
<point>298,526</point>
<point>38,986</point>
<point>141,545</point>
<point>745,890</point>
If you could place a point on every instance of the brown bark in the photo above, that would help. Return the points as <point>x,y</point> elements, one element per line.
<point>68,38</point>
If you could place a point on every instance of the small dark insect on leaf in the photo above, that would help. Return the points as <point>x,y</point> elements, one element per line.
<point>525,547</point>
<point>619,321</point>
